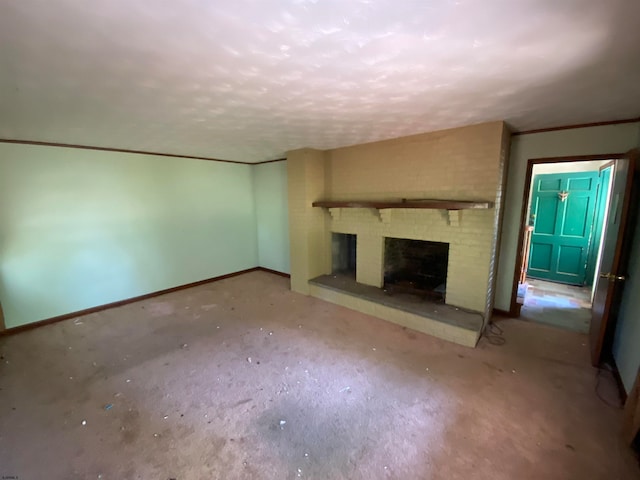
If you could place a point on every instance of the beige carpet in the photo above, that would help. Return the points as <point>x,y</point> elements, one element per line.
<point>243,379</point>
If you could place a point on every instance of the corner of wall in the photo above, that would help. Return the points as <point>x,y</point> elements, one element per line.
<point>503,165</point>
<point>308,235</point>
<point>254,195</point>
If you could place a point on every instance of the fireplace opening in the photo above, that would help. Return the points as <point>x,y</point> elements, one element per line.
<point>416,267</point>
<point>343,246</point>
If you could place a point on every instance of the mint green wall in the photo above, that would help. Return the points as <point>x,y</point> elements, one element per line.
<point>81,228</point>
<point>561,143</point>
<point>270,191</point>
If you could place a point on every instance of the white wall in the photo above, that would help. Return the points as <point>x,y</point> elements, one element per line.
<point>270,193</point>
<point>580,141</point>
<point>82,228</point>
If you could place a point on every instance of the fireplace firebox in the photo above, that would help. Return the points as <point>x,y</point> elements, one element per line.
<point>416,267</point>
<point>343,247</point>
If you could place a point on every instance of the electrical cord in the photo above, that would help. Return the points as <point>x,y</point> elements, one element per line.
<point>493,334</point>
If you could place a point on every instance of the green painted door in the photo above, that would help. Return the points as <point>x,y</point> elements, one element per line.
<point>562,212</point>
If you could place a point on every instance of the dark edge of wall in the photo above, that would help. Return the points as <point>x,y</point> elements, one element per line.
<point>3,327</point>
<point>119,303</point>
<point>502,313</point>
<point>580,125</point>
<point>137,152</point>
<point>616,376</point>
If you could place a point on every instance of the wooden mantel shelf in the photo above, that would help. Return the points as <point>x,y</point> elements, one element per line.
<point>405,203</point>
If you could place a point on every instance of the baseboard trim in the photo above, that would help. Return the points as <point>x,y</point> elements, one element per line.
<point>275,272</point>
<point>119,303</point>
<point>502,313</point>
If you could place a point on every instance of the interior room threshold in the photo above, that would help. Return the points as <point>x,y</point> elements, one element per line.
<point>440,312</point>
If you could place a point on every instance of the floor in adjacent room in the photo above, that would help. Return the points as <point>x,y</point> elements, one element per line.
<point>244,379</point>
<point>563,306</point>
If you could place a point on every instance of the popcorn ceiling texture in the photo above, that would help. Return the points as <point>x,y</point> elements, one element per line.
<point>250,80</point>
<point>458,164</point>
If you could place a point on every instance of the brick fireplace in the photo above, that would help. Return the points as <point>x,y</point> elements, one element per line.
<point>458,164</point>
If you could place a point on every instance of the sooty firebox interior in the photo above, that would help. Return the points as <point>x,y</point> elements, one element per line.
<point>416,267</point>
<point>343,246</point>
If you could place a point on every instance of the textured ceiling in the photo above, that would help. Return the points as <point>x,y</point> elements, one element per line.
<point>248,80</point>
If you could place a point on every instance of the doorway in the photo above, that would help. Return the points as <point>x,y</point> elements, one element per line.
<point>564,213</point>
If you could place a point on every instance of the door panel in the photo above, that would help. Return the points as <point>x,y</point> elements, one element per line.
<point>548,184</point>
<point>576,217</point>
<point>614,258</point>
<point>540,259</point>
<point>562,215</point>
<point>569,259</point>
<point>584,184</point>
<point>546,224</point>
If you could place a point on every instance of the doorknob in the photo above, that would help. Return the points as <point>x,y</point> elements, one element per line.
<point>612,277</point>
